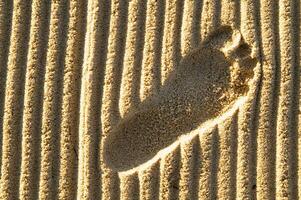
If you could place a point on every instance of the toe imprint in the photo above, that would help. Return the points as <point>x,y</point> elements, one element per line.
<point>205,84</point>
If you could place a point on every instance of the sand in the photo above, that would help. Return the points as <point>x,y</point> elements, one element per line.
<point>150,99</point>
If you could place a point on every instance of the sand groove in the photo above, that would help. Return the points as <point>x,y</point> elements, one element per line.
<point>171,47</point>
<point>189,166</point>
<point>13,105</point>
<point>52,98</point>
<point>110,113</point>
<point>72,72</point>
<point>33,100</point>
<point>70,100</point>
<point>149,182</point>
<point>151,63</point>
<point>268,104</point>
<point>246,171</point>
<point>227,140</point>
<point>96,40</point>
<point>285,179</point>
<point>130,84</point>
<point>5,27</point>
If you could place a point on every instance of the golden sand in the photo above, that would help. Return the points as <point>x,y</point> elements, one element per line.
<point>150,99</point>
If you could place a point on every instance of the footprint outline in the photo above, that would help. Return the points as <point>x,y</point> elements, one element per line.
<point>121,148</point>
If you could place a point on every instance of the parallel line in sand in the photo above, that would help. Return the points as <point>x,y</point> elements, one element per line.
<point>295,96</point>
<point>169,175</point>
<point>5,29</point>
<point>187,29</point>
<point>130,83</point>
<point>70,102</point>
<point>171,47</point>
<point>196,26</point>
<point>51,117</point>
<point>267,125</point>
<point>151,63</point>
<point>196,168</point>
<point>257,93</point>
<point>299,109</point>
<point>234,144</point>
<point>205,190</point>
<point>210,17</point>
<point>103,44</point>
<point>226,176</point>
<point>199,21</point>
<point>227,165</point>
<point>149,182</point>
<point>188,168</point>
<point>190,30</point>
<point>89,170</point>
<point>88,41</point>
<point>81,124</point>
<point>13,106</point>
<point>284,176</point>
<point>246,182</point>
<point>230,13</point>
<point>129,186</point>
<point>228,130</point>
<point>114,64</point>
<point>215,158</point>
<point>33,99</point>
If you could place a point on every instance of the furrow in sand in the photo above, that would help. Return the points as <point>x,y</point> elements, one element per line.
<point>210,17</point>
<point>169,175</point>
<point>82,105</point>
<point>230,13</point>
<point>298,93</point>
<point>197,14</point>
<point>103,44</point>
<point>226,175</point>
<point>285,131</point>
<point>233,162</point>
<point>187,29</point>
<point>89,176</point>
<point>189,168</point>
<point>266,140</point>
<point>114,64</point>
<point>130,83</point>
<point>5,27</point>
<point>13,106</point>
<point>110,108</point>
<point>129,186</point>
<point>206,190</point>
<point>295,96</point>
<point>215,158</point>
<point>70,100</point>
<point>51,115</point>
<point>33,99</point>
<point>151,63</point>
<point>77,83</point>
<point>198,21</point>
<point>247,116</point>
<point>171,47</point>
<point>149,182</point>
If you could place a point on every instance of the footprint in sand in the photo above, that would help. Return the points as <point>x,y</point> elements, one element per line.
<point>205,84</point>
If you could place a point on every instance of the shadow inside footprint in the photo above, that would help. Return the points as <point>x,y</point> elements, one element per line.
<point>205,84</point>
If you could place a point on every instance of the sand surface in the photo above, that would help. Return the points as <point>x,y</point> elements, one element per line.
<point>150,99</point>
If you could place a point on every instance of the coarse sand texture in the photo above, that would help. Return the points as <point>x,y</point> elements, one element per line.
<point>150,99</point>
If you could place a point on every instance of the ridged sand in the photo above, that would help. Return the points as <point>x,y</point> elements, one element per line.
<point>74,74</point>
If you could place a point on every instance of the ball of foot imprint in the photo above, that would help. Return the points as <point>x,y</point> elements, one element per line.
<point>203,86</point>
